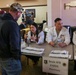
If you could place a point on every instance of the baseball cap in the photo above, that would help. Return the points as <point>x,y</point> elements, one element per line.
<point>16,7</point>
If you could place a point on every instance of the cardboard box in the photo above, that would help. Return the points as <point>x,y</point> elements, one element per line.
<point>53,65</point>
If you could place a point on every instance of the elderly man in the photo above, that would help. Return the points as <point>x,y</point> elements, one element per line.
<point>58,35</point>
<point>10,41</point>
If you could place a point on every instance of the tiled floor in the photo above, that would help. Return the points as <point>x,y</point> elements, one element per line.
<point>37,69</point>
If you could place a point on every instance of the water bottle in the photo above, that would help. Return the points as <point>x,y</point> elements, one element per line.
<point>28,41</point>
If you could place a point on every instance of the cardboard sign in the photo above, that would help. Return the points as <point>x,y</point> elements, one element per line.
<point>55,65</point>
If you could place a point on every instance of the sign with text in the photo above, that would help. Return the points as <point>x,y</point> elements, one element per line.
<point>55,65</point>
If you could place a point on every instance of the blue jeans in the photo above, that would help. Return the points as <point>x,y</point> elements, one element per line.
<point>10,66</point>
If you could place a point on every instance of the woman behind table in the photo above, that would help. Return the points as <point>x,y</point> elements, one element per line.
<point>35,35</point>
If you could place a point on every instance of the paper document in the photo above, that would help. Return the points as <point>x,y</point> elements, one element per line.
<point>59,53</point>
<point>33,50</point>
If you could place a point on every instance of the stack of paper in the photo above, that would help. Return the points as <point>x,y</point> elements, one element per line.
<point>59,53</point>
<point>33,50</point>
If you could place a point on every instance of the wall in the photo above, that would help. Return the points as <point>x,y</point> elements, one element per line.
<point>49,13</point>
<point>56,9</point>
<point>5,3</point>
<point>68,15</point>
<point>40,12</point>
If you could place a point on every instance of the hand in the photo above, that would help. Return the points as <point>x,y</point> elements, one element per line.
<point>33,38</point>
<point>62,44</point>
<point>52,43</point>
<point>25,36</point>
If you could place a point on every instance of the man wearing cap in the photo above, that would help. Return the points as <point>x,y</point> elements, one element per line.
<point>10,41</point>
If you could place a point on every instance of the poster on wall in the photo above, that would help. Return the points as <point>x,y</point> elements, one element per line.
<point>30,12</point>
<point>30,15</point>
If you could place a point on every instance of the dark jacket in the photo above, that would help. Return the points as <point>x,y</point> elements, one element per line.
<point>10,40</point>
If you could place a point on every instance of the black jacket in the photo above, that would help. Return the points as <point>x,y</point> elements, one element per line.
<point>10,40</point>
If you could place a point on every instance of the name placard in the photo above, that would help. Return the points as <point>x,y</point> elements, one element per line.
<point>55,65</point>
